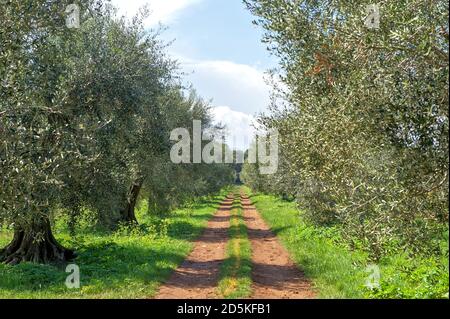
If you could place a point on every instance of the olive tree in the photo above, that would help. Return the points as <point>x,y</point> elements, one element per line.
<point>40,140</point>
<point>365,136</point>
<point>79,110</point>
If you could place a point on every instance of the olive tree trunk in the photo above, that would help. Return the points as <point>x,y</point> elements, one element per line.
<point>127,213</point>
<point>36,244</point>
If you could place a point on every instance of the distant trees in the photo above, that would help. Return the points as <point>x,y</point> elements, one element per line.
<point>364,138</point>
<point>85,121</point>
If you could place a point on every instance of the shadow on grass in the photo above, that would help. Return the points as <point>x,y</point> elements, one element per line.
<point>103,266</point>
<point>208,203</point>
<point>184,230</point>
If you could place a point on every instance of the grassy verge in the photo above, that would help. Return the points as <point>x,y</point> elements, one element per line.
<point>338,272</point>
<point>235,272</point>
<point>130,263</point>
<point>334,271</point>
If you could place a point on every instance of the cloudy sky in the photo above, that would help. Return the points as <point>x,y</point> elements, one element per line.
<point>219,49</point>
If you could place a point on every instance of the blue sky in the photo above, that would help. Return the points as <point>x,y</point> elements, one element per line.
<point>219,48</point>
<point>219,30</point>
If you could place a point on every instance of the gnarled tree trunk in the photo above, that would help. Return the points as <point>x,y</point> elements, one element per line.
<point>35,244</point>
<point>127,214</point>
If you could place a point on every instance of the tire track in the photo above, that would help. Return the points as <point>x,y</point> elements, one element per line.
<point>274,274</point>
<point>198,275</point>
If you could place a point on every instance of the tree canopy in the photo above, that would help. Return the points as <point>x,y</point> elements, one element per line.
<point>364,127</point>
<point>85,120</point>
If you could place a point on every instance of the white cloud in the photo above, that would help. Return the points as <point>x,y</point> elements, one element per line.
<point>238,92</point>
<point>163,11</point>
<point>240,86</point>
<point>240,129</point>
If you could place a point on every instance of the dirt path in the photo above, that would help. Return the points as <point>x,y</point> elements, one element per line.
<point>198,275</point>
<point>274,274</point>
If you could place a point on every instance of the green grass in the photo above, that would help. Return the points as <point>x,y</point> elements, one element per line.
<point>130,263</point>
<point>422,277</point>
<point>338,272</point>
<point>235,272</point>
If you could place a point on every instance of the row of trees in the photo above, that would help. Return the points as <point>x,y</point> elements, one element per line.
<point>363,121</point>
<point>85,121</point>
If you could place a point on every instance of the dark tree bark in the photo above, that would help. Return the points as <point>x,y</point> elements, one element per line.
<point>127,214</point>
<point>35,244</point>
